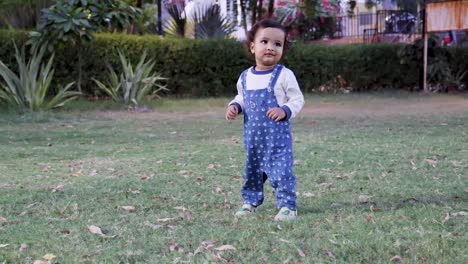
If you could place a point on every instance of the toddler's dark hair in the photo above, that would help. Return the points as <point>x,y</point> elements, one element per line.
<point>265,23</point>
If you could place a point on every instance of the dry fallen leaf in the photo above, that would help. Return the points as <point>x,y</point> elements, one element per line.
<point>219,190</point>
<point>173,246</point>
<point>58,188</point>
<point>182,208</point>
<point>225,247</point>
<point>78,174</point>
<point>128,208</point>
<point>185,172</point>
<point>186,215</point>
<point>49,257</point>
<point>208,244</point>
<point>95,230</point>
<point>166,219</point>
<point>23,247</point>
<point>205,245</point>
<point>4,245</point>
<point>459,214</point>
<point>448,215</point>
<point>3,219</point>
<point>145,177</point>
<point>301,253</point>
<point>396,259</point>
<point>446,218</point>
<point>329,254</point>
<point>364,198</point>
<point>211,166</point>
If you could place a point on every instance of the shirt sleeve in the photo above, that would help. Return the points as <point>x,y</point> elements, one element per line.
<point>293,96</point>
<point>239,99</point>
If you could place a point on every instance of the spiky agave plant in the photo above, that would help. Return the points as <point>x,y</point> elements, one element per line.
<point>28,88</point>
<point>134,83</point>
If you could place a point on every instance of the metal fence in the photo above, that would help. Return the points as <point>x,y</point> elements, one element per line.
<point>371,27</point>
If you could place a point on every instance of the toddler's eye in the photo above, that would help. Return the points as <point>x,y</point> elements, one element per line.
<point>263,41</point>
<point>278,44</point>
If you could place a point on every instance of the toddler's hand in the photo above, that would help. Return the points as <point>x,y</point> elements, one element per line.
<point>231,112</point>
<point>276,113</point>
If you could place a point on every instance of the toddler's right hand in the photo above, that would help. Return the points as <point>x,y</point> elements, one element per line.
<point>231,112</point>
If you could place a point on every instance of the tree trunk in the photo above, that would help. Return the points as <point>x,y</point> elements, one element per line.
<point>260,9</point>
<point>159,18</point>
<point>80,66</point>
<point>271,8</point>
<point>243,15</point>
<point>254,11</point>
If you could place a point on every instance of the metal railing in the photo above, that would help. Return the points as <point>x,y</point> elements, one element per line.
<point>372,27</point>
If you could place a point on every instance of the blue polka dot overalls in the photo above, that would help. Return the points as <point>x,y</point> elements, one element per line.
<point>268,145</point>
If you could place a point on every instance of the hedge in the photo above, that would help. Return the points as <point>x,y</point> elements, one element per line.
<point>211,67</point>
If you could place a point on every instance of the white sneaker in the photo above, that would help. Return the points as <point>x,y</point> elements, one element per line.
<point>246,210</point>
<point>285,214</point>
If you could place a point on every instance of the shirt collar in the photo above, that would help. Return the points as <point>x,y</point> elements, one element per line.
<point>262,72</point>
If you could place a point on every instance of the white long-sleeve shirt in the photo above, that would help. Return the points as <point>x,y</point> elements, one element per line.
<point>287,91</point>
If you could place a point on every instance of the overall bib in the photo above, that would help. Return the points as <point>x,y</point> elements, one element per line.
<point>268,145</point>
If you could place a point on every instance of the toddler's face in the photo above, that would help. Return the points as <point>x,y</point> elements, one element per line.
<point>267,47</point>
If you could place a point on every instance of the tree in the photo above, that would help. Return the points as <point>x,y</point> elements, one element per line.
<point>75,21</point>
<point>21,14</point>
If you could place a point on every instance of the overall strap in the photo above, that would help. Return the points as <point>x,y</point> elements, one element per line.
<point>244,80</point>
<point>274,77</point>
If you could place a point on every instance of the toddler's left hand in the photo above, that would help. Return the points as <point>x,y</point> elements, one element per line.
<point>276,113</point>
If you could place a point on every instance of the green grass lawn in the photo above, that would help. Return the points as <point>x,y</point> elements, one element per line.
<point>381,179</point>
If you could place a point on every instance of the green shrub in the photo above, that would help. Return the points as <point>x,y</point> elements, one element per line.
<point>212,67</point>
<point>457,63</point>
